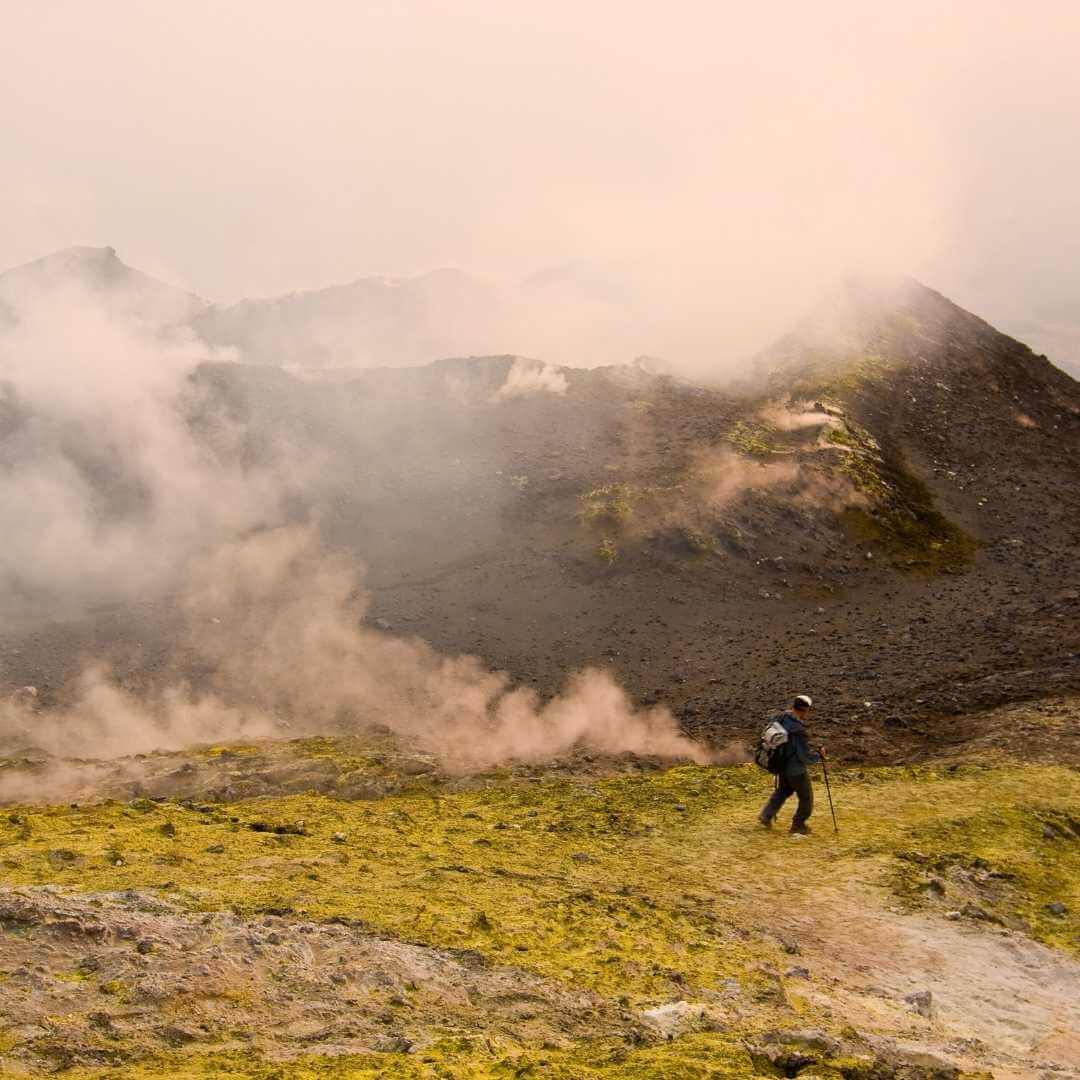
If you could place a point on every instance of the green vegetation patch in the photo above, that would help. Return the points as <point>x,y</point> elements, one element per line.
<point>624,885</point>
<point>1015,865</point>
<point>568,879</point>
<point>753,439</point>
<point>645,889</point>
<point>900,514</point>
<point>833,375</point>
<point>854,374</point>
<point>709,1056</point>
<point>609,504</point>
<point>619,511</point>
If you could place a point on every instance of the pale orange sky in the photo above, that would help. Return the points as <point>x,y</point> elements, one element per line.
<point>724,157</point>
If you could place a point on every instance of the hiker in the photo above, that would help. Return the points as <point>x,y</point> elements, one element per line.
<point>792,777</point>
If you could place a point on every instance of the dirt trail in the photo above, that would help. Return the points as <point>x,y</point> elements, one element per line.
<point>604,908</point>
<point>998,1000</point>
<point>88,974</point>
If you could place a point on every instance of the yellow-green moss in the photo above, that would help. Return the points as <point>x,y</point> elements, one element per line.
<point>1001,862</point>
<point>612,504</point>
<point>642,888</point>
<point>900,514</point>
<point>613,884</point>
<point>608,550</point>
<point>841,377</point>
<point>752,439</point>
<point>709,1056</point>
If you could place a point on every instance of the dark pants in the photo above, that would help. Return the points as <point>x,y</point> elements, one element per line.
<point>788,784</point>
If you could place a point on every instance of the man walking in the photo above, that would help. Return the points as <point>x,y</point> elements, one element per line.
<point>793,777</point>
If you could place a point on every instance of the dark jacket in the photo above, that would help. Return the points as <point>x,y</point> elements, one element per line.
<point>797,752</point>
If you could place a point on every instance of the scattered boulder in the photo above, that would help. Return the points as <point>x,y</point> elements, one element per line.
<point>791,1052</point>
<point>675,1018</point>
<point>808,1039</point>
<point>294,828</point>
<point>973,911</point>
<point>922,1002</point>
<point>177,1035</point>
<point>909,1062</point>
<point>58,858</point>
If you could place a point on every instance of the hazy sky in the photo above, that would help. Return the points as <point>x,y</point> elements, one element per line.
<point>727,155</point>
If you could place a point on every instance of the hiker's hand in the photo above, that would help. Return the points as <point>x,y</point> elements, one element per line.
<point>821,751</point>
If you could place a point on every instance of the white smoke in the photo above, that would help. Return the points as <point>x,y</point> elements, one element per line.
<point>280,623</point>
<point>104,493</point>
<point>107,493</point>
<point>527,377</point>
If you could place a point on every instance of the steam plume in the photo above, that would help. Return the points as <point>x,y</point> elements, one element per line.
<point>112,497</point>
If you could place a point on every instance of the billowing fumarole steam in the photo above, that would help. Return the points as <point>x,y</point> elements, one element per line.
<point>109,496</point>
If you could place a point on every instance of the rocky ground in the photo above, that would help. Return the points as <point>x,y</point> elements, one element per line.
<point>884,518</point>
<point>605,918</point>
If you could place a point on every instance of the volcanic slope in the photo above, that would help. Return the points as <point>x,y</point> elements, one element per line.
<point>368,321</point>
<point>96,276</point>
<point>884,516</point>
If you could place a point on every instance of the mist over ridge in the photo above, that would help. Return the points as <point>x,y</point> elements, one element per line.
<point>581,365</point>
<point>713,166</point>
<point>441,442</point>
<point>304,524</point>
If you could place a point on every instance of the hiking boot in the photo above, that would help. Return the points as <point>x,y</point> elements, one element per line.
<point>764,822</point>
<point>801,829</point>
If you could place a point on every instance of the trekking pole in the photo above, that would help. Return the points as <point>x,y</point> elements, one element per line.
<point>825,771</point>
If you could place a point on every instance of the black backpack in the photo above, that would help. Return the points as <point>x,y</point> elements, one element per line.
<point>771,749</point>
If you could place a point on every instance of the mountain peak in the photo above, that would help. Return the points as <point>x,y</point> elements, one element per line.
<point>92,265</point>
<point>106,278</point>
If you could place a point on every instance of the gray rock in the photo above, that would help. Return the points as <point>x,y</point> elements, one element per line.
<point>973,911</point>
<point>792,1051</point>
<point>673,1019</point>
<point>910,1061</point>
<point>809,1038</point>
<point>922,1002</point>
<point>392,1044</point>
<point>177,1035</point>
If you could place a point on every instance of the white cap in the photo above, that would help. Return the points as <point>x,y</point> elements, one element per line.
<point>804,701</point>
